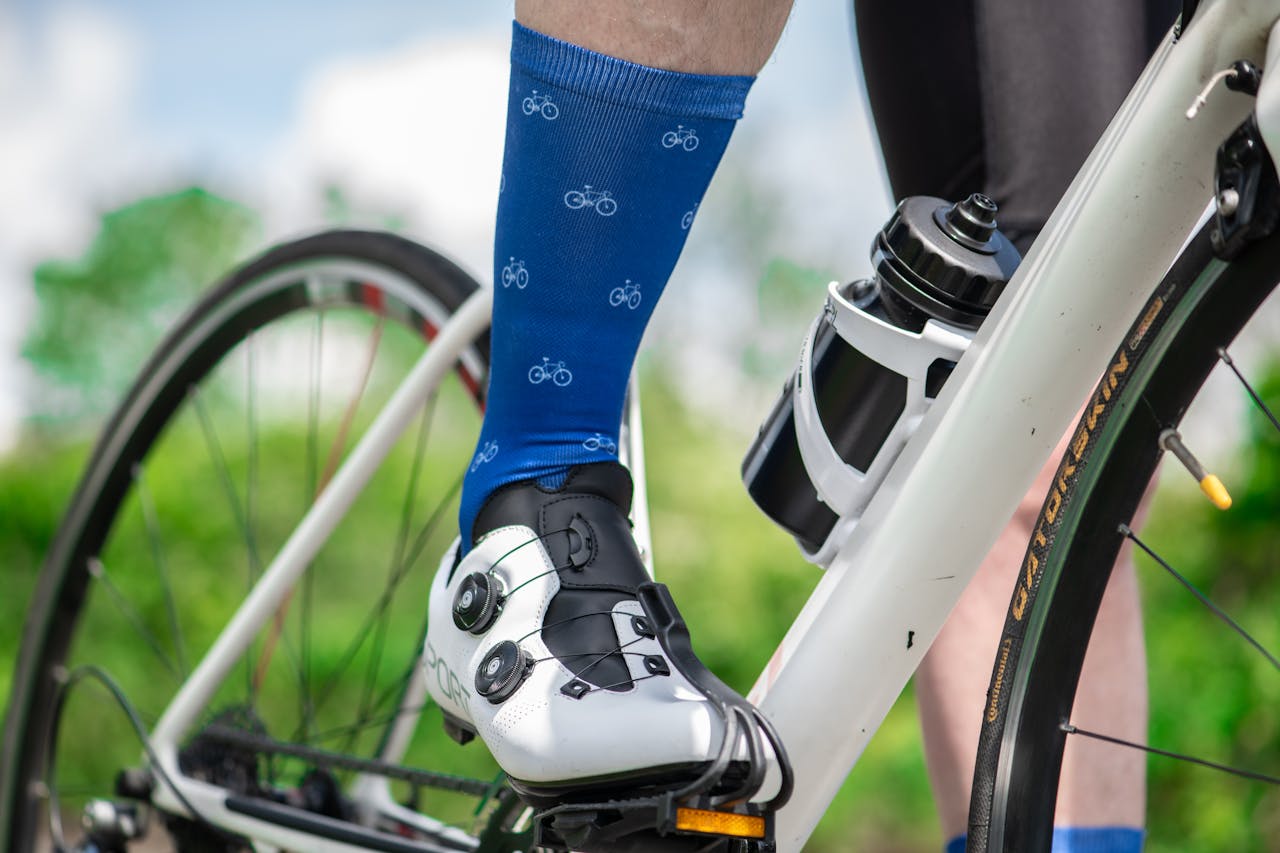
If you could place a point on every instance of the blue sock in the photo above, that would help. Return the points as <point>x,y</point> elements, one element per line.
<point>1083,839</point>
<point>606,162</point>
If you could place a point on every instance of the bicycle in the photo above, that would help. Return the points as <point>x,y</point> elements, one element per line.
<point>212,761</point>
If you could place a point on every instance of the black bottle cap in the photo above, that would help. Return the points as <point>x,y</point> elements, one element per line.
<point>941,260</point>
<point>971,223</point>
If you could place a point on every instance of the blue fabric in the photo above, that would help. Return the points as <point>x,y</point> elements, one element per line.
<point>606,162</point>
<point>1082,839</point>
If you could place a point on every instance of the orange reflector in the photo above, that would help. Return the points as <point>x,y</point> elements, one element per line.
<point>719,823</point>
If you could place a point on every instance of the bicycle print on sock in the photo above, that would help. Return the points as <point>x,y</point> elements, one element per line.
<point>684,137</point>
<point>484,454</point>
<point>601,200</point>
<point>687,219</point>
<point>625,294</point>
<point>541,104</point>
<point>552,370</point>
<point>515,273</point>
<point>601,442</point>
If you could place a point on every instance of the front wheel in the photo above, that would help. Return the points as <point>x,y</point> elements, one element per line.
<point>606,207</point>
<point>232,429</point>
<point>1206,714</point>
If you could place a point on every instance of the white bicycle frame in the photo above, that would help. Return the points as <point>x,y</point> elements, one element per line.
<point>905,564</point>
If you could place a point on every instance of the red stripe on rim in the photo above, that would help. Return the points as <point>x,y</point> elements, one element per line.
<point>373,297</point>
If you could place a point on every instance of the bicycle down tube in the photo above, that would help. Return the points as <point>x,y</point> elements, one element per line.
<point>1010,399</point>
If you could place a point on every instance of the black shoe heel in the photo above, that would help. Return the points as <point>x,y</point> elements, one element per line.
<point>459,731</point>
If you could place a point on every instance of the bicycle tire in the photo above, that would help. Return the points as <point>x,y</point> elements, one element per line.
<point>406,283</point>
<point>1167,354</point>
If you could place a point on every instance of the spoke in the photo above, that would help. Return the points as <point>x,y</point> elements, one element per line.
<point>306,698</point>
<point>255,674</point>
<point>1229,362</point>
<point>99,573</point>
<point>331,467</point>
<point>229,490</point>
<point>1190,759</point>
<point>397,687</point>
<point>351,729</point>
<point>1213,608</point>
<point>349,415</point>
<point>251,463</point>
<point>423,537</point>
<point>396,567</point>
<point>162,566</point>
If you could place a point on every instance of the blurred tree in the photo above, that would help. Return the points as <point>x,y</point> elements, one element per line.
<point>99,315</point>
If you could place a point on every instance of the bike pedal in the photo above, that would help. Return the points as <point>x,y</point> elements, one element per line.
<point>459,731</point>
<point>654,825</point>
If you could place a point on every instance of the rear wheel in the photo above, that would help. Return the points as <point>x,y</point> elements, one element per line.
<point>1179,340</point>
<point>228,435</point>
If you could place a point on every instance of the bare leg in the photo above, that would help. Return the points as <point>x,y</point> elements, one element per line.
<point>1100,786</point>
<point>717,37</point>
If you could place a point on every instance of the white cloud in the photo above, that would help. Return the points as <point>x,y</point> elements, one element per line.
<point>65,148</point>
<point>417,132</point>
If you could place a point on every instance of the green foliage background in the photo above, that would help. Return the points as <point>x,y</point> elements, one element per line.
<point>739,579</point>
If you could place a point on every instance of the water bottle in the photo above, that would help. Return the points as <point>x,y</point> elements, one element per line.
<point>872,363</point>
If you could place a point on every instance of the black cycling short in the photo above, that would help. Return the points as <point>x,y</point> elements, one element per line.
<point>1005,97</point>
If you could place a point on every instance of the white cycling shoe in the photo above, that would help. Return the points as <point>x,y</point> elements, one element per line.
<point>550,642</point>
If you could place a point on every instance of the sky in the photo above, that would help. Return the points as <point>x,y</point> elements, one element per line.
<point>402,103</point>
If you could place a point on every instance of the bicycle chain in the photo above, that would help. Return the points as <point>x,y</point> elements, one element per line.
<point>324,758</point>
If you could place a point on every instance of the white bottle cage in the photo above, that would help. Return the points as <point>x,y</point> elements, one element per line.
<point>839,485</point>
